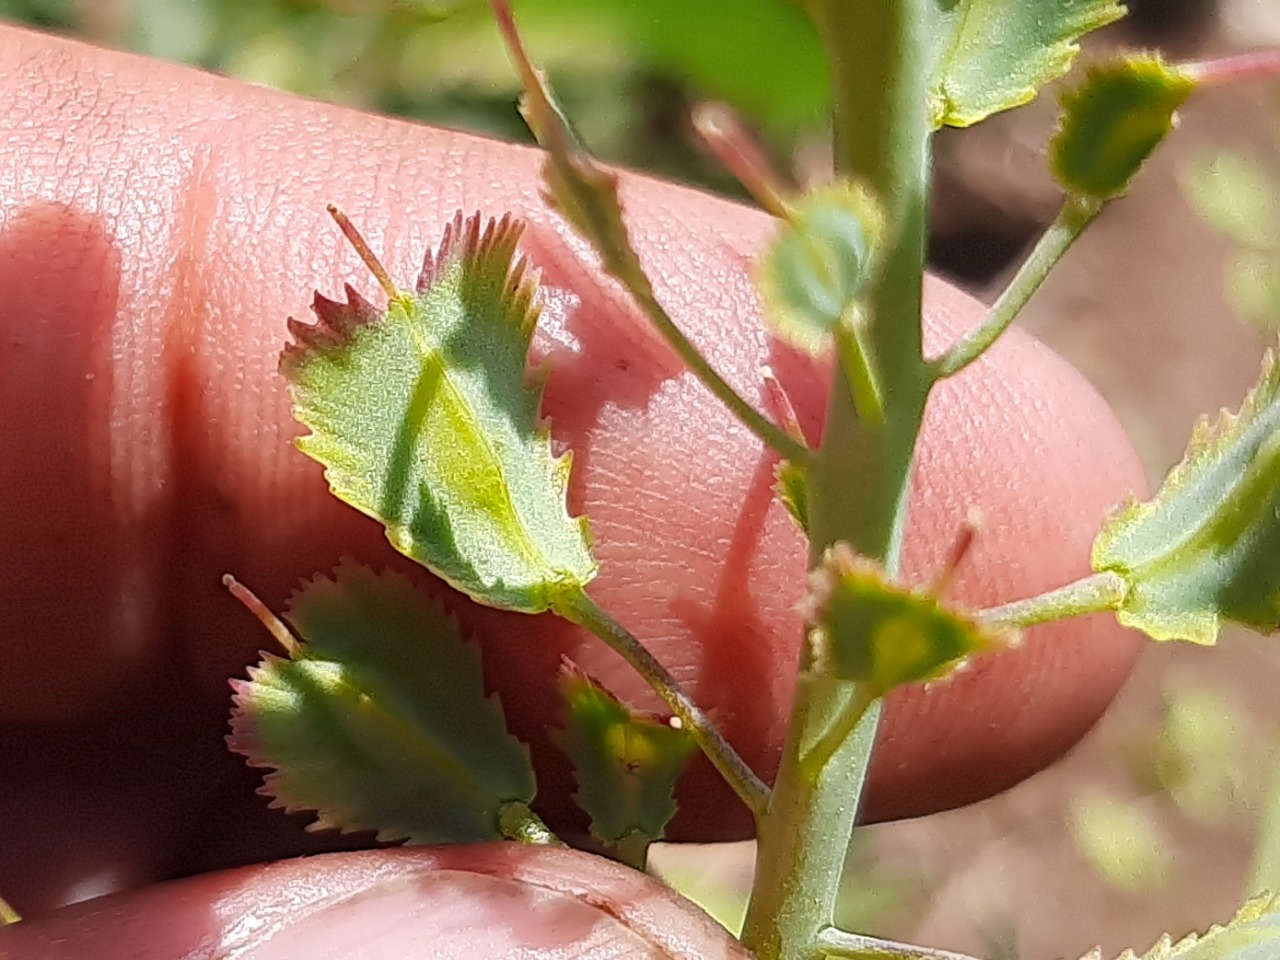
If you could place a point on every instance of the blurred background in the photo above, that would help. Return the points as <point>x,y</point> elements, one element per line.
<point>1169,812</point>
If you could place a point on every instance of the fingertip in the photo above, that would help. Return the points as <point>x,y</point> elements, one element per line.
<point>495,900</point>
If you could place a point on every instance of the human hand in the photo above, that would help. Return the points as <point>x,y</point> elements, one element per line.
<point>158,227</point>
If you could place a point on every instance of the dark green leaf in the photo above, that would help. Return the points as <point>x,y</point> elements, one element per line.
<point>379,720</point>
<point>868,630</point>
<point>1113,120</point>
<point>626,764</point>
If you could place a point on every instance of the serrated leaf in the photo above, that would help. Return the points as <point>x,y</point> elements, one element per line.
<point>379,720</point>
<point>992,55</point>
<point>626,764</point>
<point>866,629</point>
<point>424,418</point>
<point>1253,934</point>
<point>1203,550</point>
<point>817,267</point>
<point>1112,121</point>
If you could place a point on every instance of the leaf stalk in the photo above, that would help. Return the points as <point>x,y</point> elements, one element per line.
<point>1074,215</point>
<point>1091,594</point>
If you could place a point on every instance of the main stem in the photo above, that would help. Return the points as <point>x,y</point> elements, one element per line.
<point>878,51</point>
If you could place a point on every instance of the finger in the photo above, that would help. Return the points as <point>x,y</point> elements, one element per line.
<point>181,219</point>
<point>499,901</point>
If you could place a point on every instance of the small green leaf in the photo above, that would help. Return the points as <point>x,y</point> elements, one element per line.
<point>424,418</point>
<point>379,720</point>
<point>1253,934</point>
<point>626,764</point>
<point>8,915</point>
<point>1203,550</point>
<point>867,629</point>
<point>815,271</point>
<point>1113,120</point>
<point>993,55</point>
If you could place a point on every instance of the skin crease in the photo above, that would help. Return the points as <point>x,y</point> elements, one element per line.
<point>156,228</point>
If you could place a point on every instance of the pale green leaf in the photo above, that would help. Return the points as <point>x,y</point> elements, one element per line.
<point>1237,196</point>
<point>1253,934</point>
<point>1112,121</point>
<point>867,629</point>
<point>378,720</point>
<point>626,764</point>
<point>424,418</point>
<point>1203,550</point>
<point>996,54</point>
<point>813,274</point>
<point>1253,283</point>
<point>1121,840</point>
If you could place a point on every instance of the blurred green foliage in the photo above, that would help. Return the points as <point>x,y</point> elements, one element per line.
<point>626,70</point>
<point>1238,195</point>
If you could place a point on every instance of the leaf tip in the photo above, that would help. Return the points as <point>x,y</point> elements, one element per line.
<point>364,251</point>
<point>275,626</point>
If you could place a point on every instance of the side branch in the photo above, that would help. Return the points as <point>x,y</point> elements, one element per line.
<point>1075,215</point>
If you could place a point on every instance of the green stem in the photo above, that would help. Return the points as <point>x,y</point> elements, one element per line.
<point>832,942</point>
<point>816,758</point>
<point>753,792</point>
<point>1072,218</point>
<point>1091,594</point>
<point>587,197</point>
<point>879,52</point>
<point>769,433</point>
<point>803,842</point>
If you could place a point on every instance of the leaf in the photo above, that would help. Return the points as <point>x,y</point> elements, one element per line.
<point>1112,121</point>
<point>993,55</point>
<point>378,720</point>
<point>1203,550</point>
<point>879,634</point>
<point>817,267</point>
<point>626,764</point>
<point>423,418</point>
<point>1234,194</point>
<point>1122,842</point>
<point>1253,934</point>
<point>1253,283</point>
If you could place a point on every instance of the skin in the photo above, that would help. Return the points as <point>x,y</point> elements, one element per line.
<point>157,226</point>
